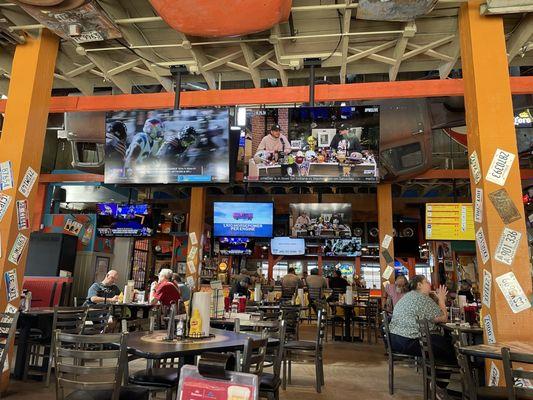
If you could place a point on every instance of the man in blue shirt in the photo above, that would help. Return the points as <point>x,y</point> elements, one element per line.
<point>104,292</point>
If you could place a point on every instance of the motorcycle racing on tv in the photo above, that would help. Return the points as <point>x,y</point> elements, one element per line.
<point>320,219</point>
<point>316,144</point>
<point>243,219</point>
<point>167,146</point>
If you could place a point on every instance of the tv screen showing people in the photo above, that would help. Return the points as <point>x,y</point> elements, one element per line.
<point>320,219</point>
<point>315,144</point>
<point>343,247</point>
<point>236,219</point>
<point>167,146</point>
<point>124,220</point>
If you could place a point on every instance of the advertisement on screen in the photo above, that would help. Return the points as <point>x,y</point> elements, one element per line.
<point>286,246</point>
<point>343,247</point>
<point>315,144</point>
<point>167,146</point>
<point>123,220</point>
<point>243,219</point>
<point>321,220</point>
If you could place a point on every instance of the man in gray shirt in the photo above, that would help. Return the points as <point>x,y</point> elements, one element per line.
<point>104,292</point>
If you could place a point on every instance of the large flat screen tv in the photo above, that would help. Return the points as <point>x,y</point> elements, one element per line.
<point>243,219</point>
<point>316,144</point>
<point>124,220</point>
<point>167,146</point>
<point>343,247</point>
<point>320,219</point>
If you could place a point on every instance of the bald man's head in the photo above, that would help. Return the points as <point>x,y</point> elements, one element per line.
<point>111,278</point>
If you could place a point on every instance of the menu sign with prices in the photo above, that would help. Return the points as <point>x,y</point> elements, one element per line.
<point>17,249</point>
<point>23,219</point>
<point>449,221</point>
<point>5,201</point>
<point>6,175</point>
<point>478,206</point>
<point>474,167</point>
<point>487,288</point>
<point>500,167</point>
<point>489,329</point>
<point>494,377</point>
<point>482,245</point>
<point>29,179</point>
<point>505,206</point>
<point>12,287</point>
<point>507,246</point>
<point>513,292</point>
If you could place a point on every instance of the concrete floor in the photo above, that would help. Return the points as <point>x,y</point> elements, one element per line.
<point>351,370</point>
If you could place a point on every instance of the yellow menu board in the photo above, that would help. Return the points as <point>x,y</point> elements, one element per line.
<point>449,221</point>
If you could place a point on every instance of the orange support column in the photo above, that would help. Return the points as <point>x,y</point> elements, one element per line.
<point>196,230</point>
<point>386,242</point>
<point>502,252</point>
<point>21,150</point>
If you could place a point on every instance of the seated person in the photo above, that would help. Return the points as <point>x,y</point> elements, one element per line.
<point>395,291</point>
<point>185,290</point>
<point>466,290</point>
<point>343,141</point>
<point>240,287</point>
<point>404,331</point>
<point>291,280</point>
<point>104,292</point>
<point>166,292</point>
<point>274,142</point>
<point>315,281</point>
<point>337,281</point>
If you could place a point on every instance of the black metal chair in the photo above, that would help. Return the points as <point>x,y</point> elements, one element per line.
<point>291,316</point>
<point>40,349</point>
<point>366,318</point>
<point>253,357</point>
<point>92,366</point>
<point>393,357</point>
<point>517,380</point>
<point>431,369</point>
<point>96,320</point>
<point>311,350</point>
<point>8,328</point>
<point>287,293</point>
<point>316,301</point>
<point>269,384</point>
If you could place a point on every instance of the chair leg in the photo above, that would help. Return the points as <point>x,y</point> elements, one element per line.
<point>391,376</point>
<point>169,394</point>
<point>318,379</point>
<point>322,380</point>
<point>284,375</point>
<point>50,360</point>
<point>289,376</point>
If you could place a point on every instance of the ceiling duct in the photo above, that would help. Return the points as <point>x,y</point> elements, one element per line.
<point>394,10</point>
<point>82,21</point>
<point>221,18</point>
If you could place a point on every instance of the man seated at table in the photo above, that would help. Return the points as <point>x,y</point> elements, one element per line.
<point>315,281</point>
<point>166,292</point>
<point>104,292</point>
<point>291,282</point>
<point>337,283</point>
<point>343,140</point>
<point>241,287</point>
<point>274,142</point>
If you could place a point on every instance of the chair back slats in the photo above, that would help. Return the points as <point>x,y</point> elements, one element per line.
<point>96,320</point>
<point>291,316</point>
<point>315,294</point>
<point>425,346</point>
<point>68,319</point>
<point>82,363</point>
<point>321,328</point>
<point>280,350</point>
<point>335,293</point>
<point>7,334</point>
<point>287,292</point>
<point>517,380</point>
<point>362,294</point>
<point>386,332</point>
<point>254,356</point>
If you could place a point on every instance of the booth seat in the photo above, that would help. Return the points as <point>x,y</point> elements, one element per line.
<point>48,291</point>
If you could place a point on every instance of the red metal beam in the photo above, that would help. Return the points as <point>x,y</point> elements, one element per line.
<point>280,95</point>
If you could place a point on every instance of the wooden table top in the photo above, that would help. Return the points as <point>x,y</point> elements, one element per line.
<point>450,326</point>
<point>245,322</point>
<point>494,351</point>
<point>139,344</point>
<point>35,311</point>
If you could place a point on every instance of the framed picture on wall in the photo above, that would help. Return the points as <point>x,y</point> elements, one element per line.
<point>101,268</point>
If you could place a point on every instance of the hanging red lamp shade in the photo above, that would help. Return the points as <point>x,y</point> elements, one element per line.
<point>219,18</point>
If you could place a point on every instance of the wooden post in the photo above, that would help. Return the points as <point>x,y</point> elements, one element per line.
<point>22,144</point>
<point>196,230</point>
<point>320,265</point>
<point>40,207</point>
<point>386,242</point>
<point>495,177</point>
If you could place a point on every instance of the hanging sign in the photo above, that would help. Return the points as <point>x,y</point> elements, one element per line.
<point>505,206</point>
<point>513,292</point>
<point>23,219</point>
<point>192,253</point>
<point>17,249</point>
<point>500,167</point>
<point>478,206</point>
<point>12,287</point>
<point>193,239</point>
<point>5,201</point>
<point>489,329</point>
<point>73,226</point>
<point>388,272</point>
<point>487,288</point>
<point>474,167</point>
<point>386,241</point>
<point>494,378</point>
<point>11,309</point>
<point>192,267</point>
<point>482,245</point>
<point>6,175</point>
<point>29,179</point>
<point>507,246</point>
<point>386,255</point>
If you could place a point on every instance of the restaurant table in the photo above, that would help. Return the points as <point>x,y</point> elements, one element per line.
<point>494,351</point>
<point>152,347</point>
<point>348,313</point>
<point>230,322</point>
<point>472,334</point>
<point>145,307</point>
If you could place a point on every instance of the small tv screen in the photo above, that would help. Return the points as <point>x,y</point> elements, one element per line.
<point>343,247</point>
<point>316,144</point>
<point>320,219</point>
<point>234,246</point>
<point>167,146</point>
<point>286,246</point>
<point>243,219</point>
<point>124,220</point>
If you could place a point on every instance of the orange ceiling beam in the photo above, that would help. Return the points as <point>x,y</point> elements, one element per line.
<point>279,95</point>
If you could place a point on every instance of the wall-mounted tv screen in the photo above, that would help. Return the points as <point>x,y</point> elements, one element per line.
<point>315,144</point>
<point>124,220</point>
<point>286,246</point>
<point>343,247</point>
<point>167,146</point>
<point>320,219</point>
<point>228,246</point>
<point>243,219</point>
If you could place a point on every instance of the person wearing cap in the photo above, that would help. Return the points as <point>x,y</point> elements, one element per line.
<point>275,142</point>
<point>343,141</point>
<point>466,290</point>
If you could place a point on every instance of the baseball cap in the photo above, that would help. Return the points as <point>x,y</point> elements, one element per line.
<point>343,127</point>
<point>275,127</point>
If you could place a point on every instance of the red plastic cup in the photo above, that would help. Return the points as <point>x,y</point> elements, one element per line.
<point>227,304</point>
<point>242,304</point>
